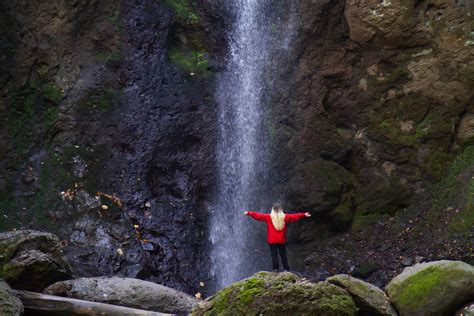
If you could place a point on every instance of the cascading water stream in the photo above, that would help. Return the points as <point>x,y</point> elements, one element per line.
<point>241,156</point>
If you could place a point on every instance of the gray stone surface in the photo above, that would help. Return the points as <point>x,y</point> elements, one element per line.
<point>9,304</point>
<point>368,298</point>
<point>125,292</point>
<point>31,260</point>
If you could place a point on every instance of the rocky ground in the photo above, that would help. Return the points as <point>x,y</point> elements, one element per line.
<point>378,247</point>
<point>108,130</point>
<point>435,288</point>
<point>34,261</point>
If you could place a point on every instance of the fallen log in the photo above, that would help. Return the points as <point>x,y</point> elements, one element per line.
<point>43,304</point>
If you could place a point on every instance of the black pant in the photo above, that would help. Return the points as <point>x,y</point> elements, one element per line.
<point>274,249</point>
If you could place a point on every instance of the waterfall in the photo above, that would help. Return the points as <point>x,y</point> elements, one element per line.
<point>259,33</point>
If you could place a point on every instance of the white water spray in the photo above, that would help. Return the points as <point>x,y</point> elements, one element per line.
<point>240,153</point>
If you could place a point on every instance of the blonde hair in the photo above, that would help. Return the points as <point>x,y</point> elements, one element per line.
<point>278,217</point>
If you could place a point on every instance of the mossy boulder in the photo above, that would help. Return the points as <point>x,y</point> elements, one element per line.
<point>9,303</point>
<point>368,298</point>
<point>31,260</point>
<point>434,288</point>
<point>277,293</point>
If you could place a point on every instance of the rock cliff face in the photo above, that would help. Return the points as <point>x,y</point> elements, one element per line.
<point>378,103</point>
<point>108,122</point>
<point>107,133</point>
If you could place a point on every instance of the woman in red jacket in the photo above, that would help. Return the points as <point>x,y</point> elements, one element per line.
<point>276,232</point>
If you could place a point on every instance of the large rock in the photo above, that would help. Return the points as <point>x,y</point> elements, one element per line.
<point>385,24</point>
<point>31,260</point>
<point>434,288</point>
<point>368,298</point>
<point>276,293</point>
<point>467,310</point>
<point>9,303</point>
<point>125,292</point>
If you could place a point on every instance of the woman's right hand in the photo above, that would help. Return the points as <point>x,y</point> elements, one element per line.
<point>246,213</point>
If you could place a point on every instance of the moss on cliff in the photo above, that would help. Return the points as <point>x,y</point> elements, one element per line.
<point>463,221</point>
<point>35,104</point>
<point>453,189</point>
<point>189,61</point>
<point>184,11</point>
<point>402,121</point>
<point>452,198</point>
<point>56,174</point>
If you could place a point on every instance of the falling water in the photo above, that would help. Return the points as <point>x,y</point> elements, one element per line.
<point>258,34</point>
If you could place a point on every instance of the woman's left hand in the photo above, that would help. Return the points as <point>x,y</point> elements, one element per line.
<point>307,214</point>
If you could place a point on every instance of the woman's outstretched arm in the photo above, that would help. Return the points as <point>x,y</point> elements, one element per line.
<point>255,215</point>
<point>295,217</point>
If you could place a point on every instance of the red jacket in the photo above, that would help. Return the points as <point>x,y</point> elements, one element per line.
<point>275,236</point>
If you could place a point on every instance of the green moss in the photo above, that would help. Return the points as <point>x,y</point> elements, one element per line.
<point>220,302</point>
<point>29,107</point>
<point>418,289</point>
<point>394,75</point>
<point>343,213</point>
<point>116,21</point>
<point>51,115</point>
<point>345,133</point>
<point>249,290</point>
<point>274,294</point>
<point>184,11</point>
<point>42,71</point>
<point>446,189</point>
<point>362,221</point>
<point>107,99</point>
<point>463,221</point>
<point>55,175</point>
<point>10,272</point>
<point>436,163</point>
<point>189,61</point>
<point>341,303</point>
<point>390,130</point>
<point>385,124</point>
<point>239,296</point>
<point>52,92</point>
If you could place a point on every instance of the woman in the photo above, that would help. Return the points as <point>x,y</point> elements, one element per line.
<point>276,231</point>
